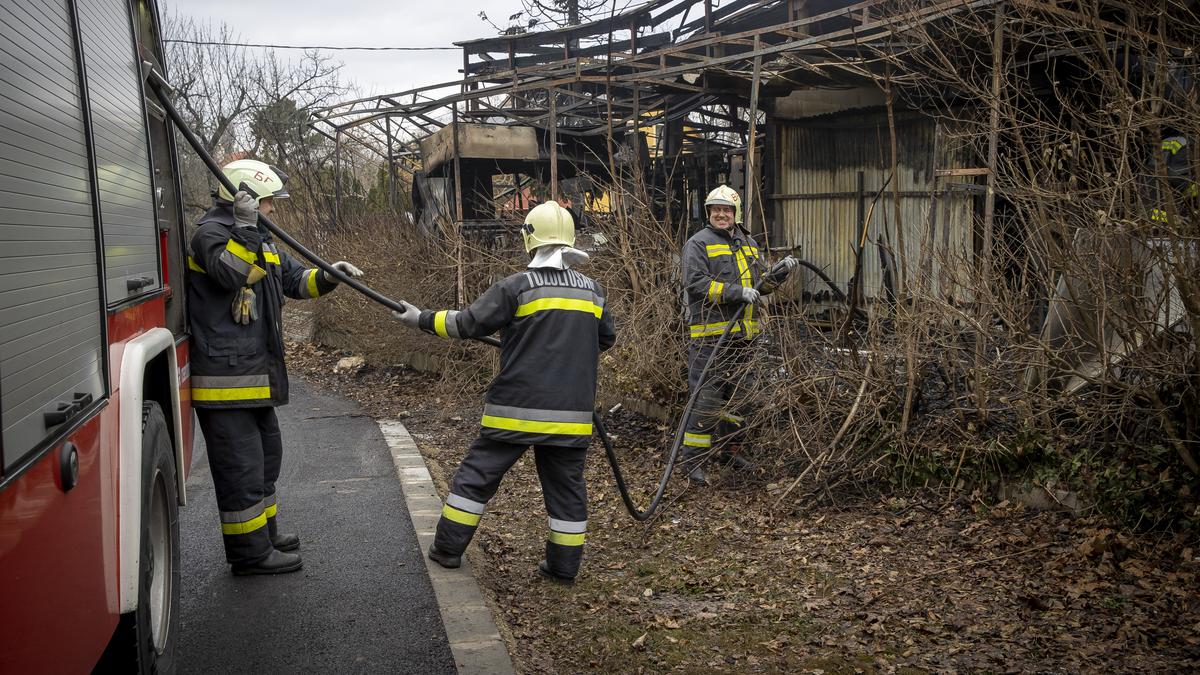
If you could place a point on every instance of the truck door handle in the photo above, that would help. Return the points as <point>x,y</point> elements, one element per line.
<point>66,410</point>
<point>138,283</point>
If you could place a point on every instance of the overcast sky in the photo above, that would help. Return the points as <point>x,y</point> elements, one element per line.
<point>363,23</point>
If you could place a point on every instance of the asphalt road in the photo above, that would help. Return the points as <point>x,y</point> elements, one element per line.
<point>362,603</point>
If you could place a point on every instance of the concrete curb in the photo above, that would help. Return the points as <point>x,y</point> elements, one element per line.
<point>475,641</point>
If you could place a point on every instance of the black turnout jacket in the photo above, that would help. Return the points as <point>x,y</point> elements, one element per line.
<point>554,324</point>
<point>236,366</point>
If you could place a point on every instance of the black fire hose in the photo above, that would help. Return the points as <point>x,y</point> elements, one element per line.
<point>677,441</point>
<point>161,91</point>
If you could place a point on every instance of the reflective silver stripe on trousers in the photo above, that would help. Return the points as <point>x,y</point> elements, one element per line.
<point>536,415</point>
<point>568,526</point>
<point>464,504</point>
<point>235,263</point>
<point>270,500</point>
<point>559,292</point>
<point>452,323</point>
<point>243,515</point>
<point>230,381</point>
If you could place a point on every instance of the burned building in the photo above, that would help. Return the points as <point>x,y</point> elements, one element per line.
<point>814,109</point>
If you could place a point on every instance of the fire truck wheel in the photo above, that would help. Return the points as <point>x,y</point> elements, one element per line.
<point>149,634</point>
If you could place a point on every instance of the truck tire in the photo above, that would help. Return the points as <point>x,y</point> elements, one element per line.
<point>146,638</point>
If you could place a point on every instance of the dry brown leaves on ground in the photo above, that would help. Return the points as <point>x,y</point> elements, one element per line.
<point>719,583</point>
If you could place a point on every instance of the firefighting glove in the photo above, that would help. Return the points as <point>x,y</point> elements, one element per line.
<point>245,210</point>
<point>789,264</point>
<point>783,268</point>
<point>245,307</point>
<point>750,295</point>
<point>411,316</point>
<point>345,268</point>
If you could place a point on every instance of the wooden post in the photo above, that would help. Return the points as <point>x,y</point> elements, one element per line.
<point>989,200</point>
<point>391,162</point>
<point>460,286</point>
<point>337,179</point>
<point>751,142</point>
<point>553,119</point>
<point>989,213</point>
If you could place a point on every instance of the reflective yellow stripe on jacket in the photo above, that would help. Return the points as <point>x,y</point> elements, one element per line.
<point>230,387</point>
<point>536,421</point>
<point>312,283</point>
<point>571,304</point>
<point>698,330</point>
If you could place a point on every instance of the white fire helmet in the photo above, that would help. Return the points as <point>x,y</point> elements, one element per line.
<point>727,196</point>
<point>259,179</point>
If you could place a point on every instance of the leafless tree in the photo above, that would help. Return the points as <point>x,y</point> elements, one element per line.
<point>246,101</point>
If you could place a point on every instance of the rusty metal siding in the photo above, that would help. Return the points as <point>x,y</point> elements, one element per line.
<point>819,200</point>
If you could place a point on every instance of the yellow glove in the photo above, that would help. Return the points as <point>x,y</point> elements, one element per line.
<point>245,307</point>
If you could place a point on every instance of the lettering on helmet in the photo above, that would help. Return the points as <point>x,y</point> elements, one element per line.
<point>262,177</point>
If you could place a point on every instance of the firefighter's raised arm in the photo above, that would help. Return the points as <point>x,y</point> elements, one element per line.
<point>301,282</point>
<point>229,255</point>
<point>489,313</point>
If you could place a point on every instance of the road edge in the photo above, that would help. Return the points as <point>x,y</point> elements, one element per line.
<point>475,641</point>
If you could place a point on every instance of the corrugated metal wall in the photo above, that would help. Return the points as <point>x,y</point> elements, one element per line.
<point>818,199</point>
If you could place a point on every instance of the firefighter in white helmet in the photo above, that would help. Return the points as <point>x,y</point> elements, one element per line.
<point>554,323</point>
<point>236,284</point>
<point>721,266</point>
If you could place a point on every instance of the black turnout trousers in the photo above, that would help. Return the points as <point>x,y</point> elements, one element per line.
<point>560,470</point>
<point>245,450</point>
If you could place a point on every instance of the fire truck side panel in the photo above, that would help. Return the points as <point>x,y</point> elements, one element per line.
<point>56,608</point>
<point>80,235</point>
<point>166,384</point>
<point>186,418</point>
<point>51,339</point>
<point>121,145</point>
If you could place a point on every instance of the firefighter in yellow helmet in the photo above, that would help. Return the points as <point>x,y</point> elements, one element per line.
<point>554,323</point>
<point>1182,190</point>
<point>721,266</point>
<point>237,280</point>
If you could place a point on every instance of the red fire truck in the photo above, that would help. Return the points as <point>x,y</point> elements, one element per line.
<point>95,411</point>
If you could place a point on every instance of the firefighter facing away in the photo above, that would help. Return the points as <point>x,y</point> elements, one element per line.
<point>721,266</point>
<point>236,290</point>
<point>554,323</point>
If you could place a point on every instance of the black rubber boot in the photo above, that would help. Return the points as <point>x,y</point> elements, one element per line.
<point>285,542</point>
<point>693,466</point>
<point>736,461</point>
<point>444,559</point>
<point>281,542</point>
<point>276,563</point>
<point>544,570</point>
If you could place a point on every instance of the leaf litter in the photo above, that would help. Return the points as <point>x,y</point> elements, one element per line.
<point>717,582</point>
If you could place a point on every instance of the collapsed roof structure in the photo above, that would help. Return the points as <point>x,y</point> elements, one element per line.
<point>669,94</point>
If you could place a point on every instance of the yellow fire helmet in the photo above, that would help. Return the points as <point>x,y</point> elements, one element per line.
<point>548,223</point>
<point>723,194</point>
<point>259,179</point>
